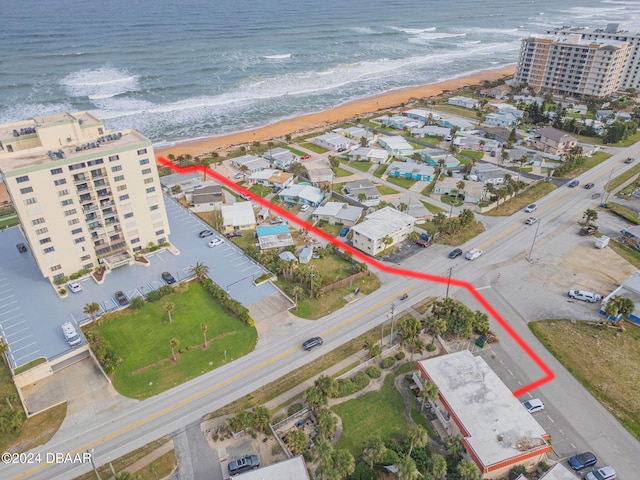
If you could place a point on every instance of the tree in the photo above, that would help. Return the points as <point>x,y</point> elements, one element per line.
<point>343,462</point>
<point>362,197</point>
<point>468,470</point>
<point>407,469</point>
<point>373,451</point>
<point>327,424</point>
<point>326,385</point>
<point>315,399</point>
<point>203,329</point>
<point>199,270</point>
<point>438,466</point>
<point>403,207</point>
<point>261,419</point>
<point>409,329</point>
<point>454,446</point>
<point>589,215</point>
<point>417,437</point>
<point>460,186</point>
<point>325,454</point>
<point>428,393</point>
<point>480,322</point>
<point>296,291</point>
<point>435,325</point>
<point>91,309</point>
<point>296,441</point>
<point>373,348</point>
<point>625,306</point>
<point>417,346</point>
<point>173,344</point>
<point>387,241</point>
<point>169,307</point>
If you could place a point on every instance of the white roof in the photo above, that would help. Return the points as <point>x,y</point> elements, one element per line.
<point>395,142</point>
<point>339,210</point>
<point>558,472</point>
<point>420,112</point>
<point>238,214</point>
<point>292,469</point>
<point>432,129</point>
<point>498,426</point>
<point>265,174</point>
<point>245,158</point>
<point>306,192</point>
<point>383,222</point>
<point>370,152</point>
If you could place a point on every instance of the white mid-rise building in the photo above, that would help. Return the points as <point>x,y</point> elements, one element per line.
<point>84,195</point>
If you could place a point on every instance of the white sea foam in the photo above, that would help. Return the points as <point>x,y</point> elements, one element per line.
<point>427,37</point>
<point>414,31</point>
<point>277,57</point>
<point>99,83</point>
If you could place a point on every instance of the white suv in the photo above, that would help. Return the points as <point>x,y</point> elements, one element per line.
<point>602,473</point>
<point>71,334</point>
<point>473,254</point>
<point>584,296</point>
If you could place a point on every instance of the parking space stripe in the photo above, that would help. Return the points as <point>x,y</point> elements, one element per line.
<point>16,324</point>
<point>8,311</point>
<point>8,319</point>
<point>15,350</point>
<point>30,354</point>
<point>18,332</point>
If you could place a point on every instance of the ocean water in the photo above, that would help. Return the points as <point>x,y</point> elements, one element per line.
<point>200,68</point>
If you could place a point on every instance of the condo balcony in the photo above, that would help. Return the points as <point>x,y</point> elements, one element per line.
<point>94,226</point>
<point>107,204</point>
<point>86,198</point>
<point>89,208</point>
<point>104,193</point>
<point>98,174</point>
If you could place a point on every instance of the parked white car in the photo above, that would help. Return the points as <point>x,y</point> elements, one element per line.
<point>585,296</point>
<point>305,207</point>
<point>75,287</point>
<point>215,243</point>
<point>473,254</point>
<point>534,405</point>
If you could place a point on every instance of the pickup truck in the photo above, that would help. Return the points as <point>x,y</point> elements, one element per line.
<point>588,230</point>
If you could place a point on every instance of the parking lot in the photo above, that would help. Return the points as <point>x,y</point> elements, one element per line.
<point>31,312</point>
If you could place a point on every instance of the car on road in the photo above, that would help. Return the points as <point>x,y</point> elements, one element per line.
<point>275,221</point>
<point>602,473</point>
<point>573,183</point>
<point>473,254</point>
<point>585,296</point>
<point>344,231</point>
<point>248,462</point>
<point>71,334</point>
<point>455,253</point>
<point>121,298</point>
<point>205,233</point>
<point>75,287</point>
<point>589,185</point>
<point>21,247</point>
<point>531,220</point>
<point>234,234</point>
<point>534,405</point>
<point>531,208</point>
<point>404,296</point>
<point>629,160</point>
<point>312,342</point>
<point>582,460</point>
<point>305,157</point>
<point>305,207</point>
<point>215,242</point>
<point>168,278</point>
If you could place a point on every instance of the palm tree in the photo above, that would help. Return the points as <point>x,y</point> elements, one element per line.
<point>343,462</point>
<point>373,348</point>
<point>428,393</point>
<point>468,470</point>
<point>387,241</point>
<point>417,437</point>
<point>460,186</point>
<point>199,270</point>
<point>403,207</point>
<point>315,398</point>
<point>296,291</point>
<point>361,197</point>
<point>169,307</point>
<point>589,215</point>
<point>203,329</point>
<point>325,454</point>
<point>173,344</point>
<point>407,469</point>
<point>438,466</point>
<point>436,325</point>
<point>3,346</point>
<point>91,309</point>
<point>454,446</point>
<point>327,424</point>
<point>373,451</point>
<point>296,441</point>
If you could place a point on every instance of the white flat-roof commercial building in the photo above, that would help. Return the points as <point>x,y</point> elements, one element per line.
<point>396,145</point>
<point>292,469</point>
<point>368,236</point>
<point>497,431</point>
<point>338,212</point>
<point>84,194</point>
<point>334,141</point>
<point>239,216</point>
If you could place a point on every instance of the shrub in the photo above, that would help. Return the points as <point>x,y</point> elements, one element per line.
<point>295,408</point>
<point>62,292</point>
<point>61,280</point>
<point>349,386</point>
<point>279,418</point>
<point>400,356</point>
<point>431,347</point>
<point>154,296</point>
<point>390,457</point>
<point>165,290</point>
<point>136,303</point>
<point>388,362</point>
<point>373,371</point>
<point>363,472</point>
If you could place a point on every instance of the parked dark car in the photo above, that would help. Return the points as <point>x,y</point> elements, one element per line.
<point>248,462</point>
<point>205,233</point>
<point>455,253</point>
<point>312,342</point>
<point>21,247</point>
<point>234,234</point>
<point>121,298</point>
<point>582,460</point>
<point>344,231</point>
<point>168,278</point>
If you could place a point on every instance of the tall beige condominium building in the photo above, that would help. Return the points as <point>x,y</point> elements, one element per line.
<point>84,195</point>
<point>631,73</point>
<point>571,65</point>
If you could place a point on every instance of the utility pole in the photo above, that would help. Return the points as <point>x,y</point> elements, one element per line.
<point>393,309</point>
<point>606,193</point>
<point>534,241</point>
<point>448,283</point>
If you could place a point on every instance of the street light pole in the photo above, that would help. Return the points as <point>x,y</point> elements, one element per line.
<point>534,241</point>
<point>606,193</point>
<point>393,309</point>
<point>448,283</point>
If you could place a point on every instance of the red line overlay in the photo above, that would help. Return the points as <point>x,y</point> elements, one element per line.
<point>548,373</point>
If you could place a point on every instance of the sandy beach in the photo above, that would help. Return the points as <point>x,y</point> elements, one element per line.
<point>299,125</point>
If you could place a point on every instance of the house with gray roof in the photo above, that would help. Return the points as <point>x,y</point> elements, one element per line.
<point>206,199</point>
<point>334,141</point>
<point>387,222</point>
<point>396,145</point>
<point>423,115</point>
<point>460,123</point>
<point>489,173</point>
<point>302,194</point>
<point>281,158</point>
<point>338,213</point>
<point>554,141</point>
<point>400,122</point>
<point>369,154</point>
<point>357,133</point>
<point>433,157</point>
<point>238,216</point>
<point>355,189</point>
<point>466,102</point>
<point>430,131</point>
<point>250,164</point>
<point>504,120</point>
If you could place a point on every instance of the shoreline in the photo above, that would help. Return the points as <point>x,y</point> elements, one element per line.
<point>321,120</point>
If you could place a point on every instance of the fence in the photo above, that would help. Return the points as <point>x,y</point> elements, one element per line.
<point>344,281</point>
<point>364,365</point>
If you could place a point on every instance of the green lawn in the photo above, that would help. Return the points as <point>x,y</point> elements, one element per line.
<point>472,154</point>
<point>362,166</point>
<point>313,147</point>
<point>375,414</point>
<point>524,198</point>
<point>432,208</point>
<point>380,169</point>
<point>341,172</point>
<point>10,221</point>
<point>261,190</point>
<point>589,163</point>
<point>296,151</point>
<point>141,338</point>
<point>385,190</point>
<point>448,199</point>
<point>631,255</point>
<point>624,212</point>
<point>456,110</point>
<point>623,177</point>
<point>402,182</point>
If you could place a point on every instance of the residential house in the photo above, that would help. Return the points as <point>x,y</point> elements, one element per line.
<point>396,145</point>
<point>411,170</point>
<point>630,288</point>
<point>501,92</point>
<point>305,255</point>
<point>504,120</point>
<point>430,131</point>
<point>274,236</point>
<point>387,222</point>
<point>551,140</point>
<point>288,256</point>
<point>460,124</point>
<point>335,142</point>
<point>302,194</point>
<point>206,199</point>
<point>499,134</point>
<point>320,173</point>
<point>238,216</point>
<point>479,144</point>
<point>369,154</point>
<point>370,194</point>
<point>604,114</point>
<point>473,192</point>
<point>181,182</point>
<point>400,122</point>
<point>249,164</point>
<point>281,158</point>
<point>433,157</point>
<point>497,432</point>
<point>528,99</point>
<point>466,102</point>
<point>576,109</point>
<point>272,178</point>
<point>489,173</point>
<point>422,115</point>
<point>356,133</point>
<point>506,108</point>
<point>338,213</point>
